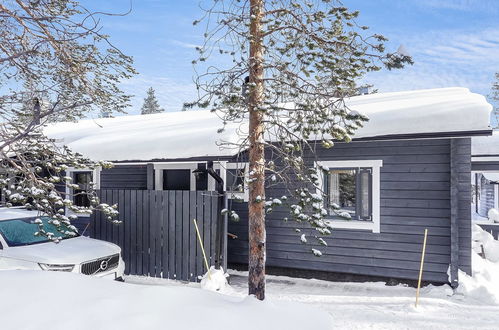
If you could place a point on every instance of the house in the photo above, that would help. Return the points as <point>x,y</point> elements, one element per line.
<point>407,169</point>
<point>485,180</point>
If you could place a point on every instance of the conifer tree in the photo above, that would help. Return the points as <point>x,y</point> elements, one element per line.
<point>290,64</point>
<point>151,104</point>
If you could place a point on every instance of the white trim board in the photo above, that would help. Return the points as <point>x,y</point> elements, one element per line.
<point>375,164</point>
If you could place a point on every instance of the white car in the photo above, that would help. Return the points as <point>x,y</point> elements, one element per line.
<point>21,249</point>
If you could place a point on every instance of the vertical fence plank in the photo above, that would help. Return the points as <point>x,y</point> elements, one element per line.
<point>207,227</point>
<point>165,210</point>
<point>152,228</point>
<point>133,232</point>
<point>185,236</point>
<point>140,248</point>
<point>158,240</point>
<point>178,234</point>
<point>171,234</point>
<point>127,227</point>
<point>116,227</point>
<point>200,220</point>
<point>192,237</point>
<point>109,225</point>
<point>213,225</point>
<point>121,229</point>
<point>145,232</point>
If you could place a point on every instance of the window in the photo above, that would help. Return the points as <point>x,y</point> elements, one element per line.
<point>235,179</point>
<point>175,176</point>
<point>236,175</point>
<point>351,190</point>
<point>176,179</point>
<point>83,180</point>
<point>86,180</point>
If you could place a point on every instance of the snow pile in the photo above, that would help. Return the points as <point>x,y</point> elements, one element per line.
<point>483,286</point>
<point>215,280</point>
<point>194,133</point>
<point>490,245</point>
<point>485,145</point>
<point>54,300</point>
<point>493,215</point>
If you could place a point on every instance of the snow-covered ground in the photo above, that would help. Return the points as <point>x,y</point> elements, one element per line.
<point>474,305</point>
<point>43,300</point>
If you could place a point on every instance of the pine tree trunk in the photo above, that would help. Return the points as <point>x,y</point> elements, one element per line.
<point>256,265</point>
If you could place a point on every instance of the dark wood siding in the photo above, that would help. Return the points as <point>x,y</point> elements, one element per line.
<point>124,177</point>
<point>415,194</point>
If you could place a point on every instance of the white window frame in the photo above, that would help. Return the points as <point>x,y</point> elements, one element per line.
<point>159,167</point>
<point>69,191</point>
<point>375,164</point>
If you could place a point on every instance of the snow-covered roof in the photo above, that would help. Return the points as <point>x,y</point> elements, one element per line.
<point>485,145</point>
<point>174,135</point>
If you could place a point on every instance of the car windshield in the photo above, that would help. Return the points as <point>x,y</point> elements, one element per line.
<point>18,232</point>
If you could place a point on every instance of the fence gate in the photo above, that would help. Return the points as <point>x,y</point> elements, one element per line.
<point>157,235</point>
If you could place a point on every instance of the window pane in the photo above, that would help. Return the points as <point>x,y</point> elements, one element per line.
<point>83,180</point>
<point>342,189</point>
<point>176,179</point>
<point>365,184</point>
<point>201,178</point>
<point>235,179</point>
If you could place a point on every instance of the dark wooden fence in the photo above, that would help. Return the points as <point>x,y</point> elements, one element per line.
<point>157,235</point>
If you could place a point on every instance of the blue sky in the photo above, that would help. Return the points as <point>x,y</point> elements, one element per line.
<point>453,43</point>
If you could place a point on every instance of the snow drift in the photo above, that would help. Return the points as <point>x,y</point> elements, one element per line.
<point>175,135</point>
<point>483,286</point>
<point>71,301</point>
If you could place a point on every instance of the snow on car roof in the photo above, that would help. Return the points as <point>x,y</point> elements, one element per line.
<point>16,213</point>
<point>485,145</point>
<point>187,134</point>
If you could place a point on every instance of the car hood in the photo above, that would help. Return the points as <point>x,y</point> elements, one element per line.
<point>69,251</point>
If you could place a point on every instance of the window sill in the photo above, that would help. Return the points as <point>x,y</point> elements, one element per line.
<point>354,224</point>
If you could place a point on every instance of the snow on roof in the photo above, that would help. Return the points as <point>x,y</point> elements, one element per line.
<point>175,135</point>
<point>145,137</point>
<point>485,145</point>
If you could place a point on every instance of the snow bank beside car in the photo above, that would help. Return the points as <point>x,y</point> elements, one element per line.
<point>51,300</point>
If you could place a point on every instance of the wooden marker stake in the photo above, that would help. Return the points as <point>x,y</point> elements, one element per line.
<point>421,267</point>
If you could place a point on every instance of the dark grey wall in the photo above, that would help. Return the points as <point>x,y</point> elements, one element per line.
<point>415,194</point>
<point>124,177</point>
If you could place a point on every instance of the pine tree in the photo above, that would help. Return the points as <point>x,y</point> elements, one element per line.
<point>291,63</point>
<point>151,104</point>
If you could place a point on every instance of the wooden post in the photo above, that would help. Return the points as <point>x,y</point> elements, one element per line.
<point>256,210</point>
<point>421,267</point>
